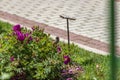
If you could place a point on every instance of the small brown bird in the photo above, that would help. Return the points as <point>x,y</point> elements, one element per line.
<point>56,41</point>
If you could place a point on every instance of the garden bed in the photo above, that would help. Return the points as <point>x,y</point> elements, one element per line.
<point>33,55</point>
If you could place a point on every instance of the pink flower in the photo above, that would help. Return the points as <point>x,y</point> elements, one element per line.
<point>12,58</point>
<point>64,71</point>
<point>79,68</point>
<point>17,28</point>
<point>66,59</point>
<point>58,49</point>
<point>69,79</point>
<point>70,71</point>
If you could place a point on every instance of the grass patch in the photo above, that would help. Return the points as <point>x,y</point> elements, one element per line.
<point>4,27</point>
<point>96,66</point>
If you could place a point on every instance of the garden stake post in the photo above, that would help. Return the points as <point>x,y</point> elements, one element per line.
<point>68,18</point>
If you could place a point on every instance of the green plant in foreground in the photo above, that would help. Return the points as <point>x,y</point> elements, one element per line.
<point>36,58</point>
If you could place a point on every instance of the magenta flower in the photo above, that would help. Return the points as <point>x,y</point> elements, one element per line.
<point>66,59</point>
<point>58,49</point>
<point>16,32</point>
<point>20,36</point>
<point>69,79</point>
<point>17,28</point>
<point>29,37</point>
<point>12,58</point>
<point>33,28</point>
<point>27,34</point>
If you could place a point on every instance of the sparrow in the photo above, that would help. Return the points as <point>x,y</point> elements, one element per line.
<point>56,41</point>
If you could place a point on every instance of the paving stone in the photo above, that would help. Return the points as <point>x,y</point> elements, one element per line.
<point>91,16</point>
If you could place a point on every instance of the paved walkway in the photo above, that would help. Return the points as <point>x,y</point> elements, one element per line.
<point>91,25</point>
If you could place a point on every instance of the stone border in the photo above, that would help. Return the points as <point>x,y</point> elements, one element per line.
<point>59,32</point>
<point>118,0</point>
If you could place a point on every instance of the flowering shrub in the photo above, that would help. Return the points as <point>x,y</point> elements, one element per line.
<point>30,55</point>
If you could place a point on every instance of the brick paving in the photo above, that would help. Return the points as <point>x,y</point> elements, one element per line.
<point>89,29</point>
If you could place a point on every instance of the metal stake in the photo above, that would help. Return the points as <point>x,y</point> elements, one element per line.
<point>68,18</point>
<point>68,34</point>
